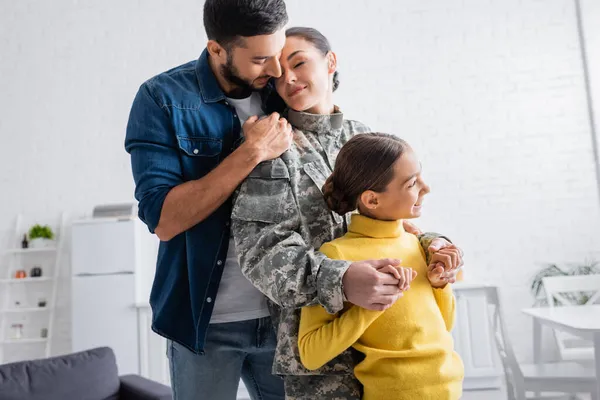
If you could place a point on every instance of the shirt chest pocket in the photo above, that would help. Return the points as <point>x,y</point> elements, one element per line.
<point>266,195</point>
<point>316,174</point>
<point>199,155</point>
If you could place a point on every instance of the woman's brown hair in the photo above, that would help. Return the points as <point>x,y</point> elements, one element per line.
<point>366,162</point>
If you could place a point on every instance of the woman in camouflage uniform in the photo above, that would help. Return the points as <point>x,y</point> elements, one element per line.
<point>280,217</point>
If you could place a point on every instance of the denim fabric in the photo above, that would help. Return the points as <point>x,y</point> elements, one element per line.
<point>232,351</point>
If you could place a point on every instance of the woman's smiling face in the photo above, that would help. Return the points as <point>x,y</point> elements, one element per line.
<point>306,76</point>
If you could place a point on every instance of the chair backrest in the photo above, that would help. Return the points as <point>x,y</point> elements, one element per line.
<point>572,290</point>
<point>515,386</point>
<point>568,291</point>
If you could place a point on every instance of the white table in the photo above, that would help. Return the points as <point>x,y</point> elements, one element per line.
<point>582,321</point>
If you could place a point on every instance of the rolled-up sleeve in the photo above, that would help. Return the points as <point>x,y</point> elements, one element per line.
<point>152,144</point>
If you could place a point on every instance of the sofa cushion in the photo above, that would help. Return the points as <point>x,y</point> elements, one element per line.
<point>88,375</point>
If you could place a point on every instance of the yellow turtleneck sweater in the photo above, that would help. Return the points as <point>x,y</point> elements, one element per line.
<point>408,348</point>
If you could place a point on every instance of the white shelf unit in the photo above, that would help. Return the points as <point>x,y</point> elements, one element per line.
<point>18,281</point>
<point>25,258</point>
<point>34,250</point>
<point>26,310</point>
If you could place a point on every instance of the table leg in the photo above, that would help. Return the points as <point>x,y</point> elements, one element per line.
<point>597,360</point>
<point>537,341</point>
<point>537,346</point>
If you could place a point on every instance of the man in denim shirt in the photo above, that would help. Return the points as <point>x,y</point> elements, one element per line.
<point>184,136</point>
<point>187,154</point>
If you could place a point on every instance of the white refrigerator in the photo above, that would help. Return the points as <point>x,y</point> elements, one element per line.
<point>113,262</point>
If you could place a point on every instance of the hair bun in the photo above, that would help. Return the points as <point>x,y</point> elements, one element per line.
<point>335,199</point>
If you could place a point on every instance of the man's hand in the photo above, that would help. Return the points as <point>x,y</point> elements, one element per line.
<point>447,256</point>
<point>269,137</point>
<point>376,284</point>
<point>411,228</point>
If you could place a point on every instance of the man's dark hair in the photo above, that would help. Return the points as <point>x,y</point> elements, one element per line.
<point>226,21</point>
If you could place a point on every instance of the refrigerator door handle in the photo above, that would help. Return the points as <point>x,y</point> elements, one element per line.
<point>87,274</point>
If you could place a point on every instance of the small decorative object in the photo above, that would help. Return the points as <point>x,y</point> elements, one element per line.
<point>36,272</point>
<point>42,303</point>
<point>25,243</point>
<point>40,236</point>
<point>44,332</point>
<point>17,331</point>
<point>20,274</point>
<point>537,286</point>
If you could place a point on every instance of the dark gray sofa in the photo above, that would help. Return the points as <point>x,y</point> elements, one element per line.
<point>87,375</point>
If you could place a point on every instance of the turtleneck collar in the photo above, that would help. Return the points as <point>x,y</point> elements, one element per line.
<point>375,228</point>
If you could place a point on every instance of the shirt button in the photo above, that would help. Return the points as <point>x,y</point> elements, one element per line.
<point>234,115</point>
<point>209,300</point>
<point>196,151</point>
<point>219,262</point>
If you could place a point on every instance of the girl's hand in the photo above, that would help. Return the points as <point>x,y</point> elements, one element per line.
<point>407,275</point>
<point>437,276</point>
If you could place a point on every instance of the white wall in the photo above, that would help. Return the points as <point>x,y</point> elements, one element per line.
<point>490,94</point>
<point>590,11</point>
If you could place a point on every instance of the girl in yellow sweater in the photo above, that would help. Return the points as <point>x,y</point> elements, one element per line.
<point>408,348</point>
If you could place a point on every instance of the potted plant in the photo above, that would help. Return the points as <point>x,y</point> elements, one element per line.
<point>40,236</point>
<point>586,268</point>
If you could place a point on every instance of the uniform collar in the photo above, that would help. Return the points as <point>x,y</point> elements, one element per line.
<point>315,122</point>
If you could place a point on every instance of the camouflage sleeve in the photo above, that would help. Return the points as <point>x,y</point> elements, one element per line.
<point>426,238</point>
<point>273,254</point>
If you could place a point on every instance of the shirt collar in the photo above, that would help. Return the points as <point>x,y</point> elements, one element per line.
<point>212,93</point>
<point>209,86</point>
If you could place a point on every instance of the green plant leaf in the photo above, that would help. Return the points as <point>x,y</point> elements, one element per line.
<point>39,231</point>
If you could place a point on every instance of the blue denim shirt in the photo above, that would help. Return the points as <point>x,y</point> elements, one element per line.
<point>180,128</point>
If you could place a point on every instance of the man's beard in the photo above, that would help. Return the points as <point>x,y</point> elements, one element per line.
<point>231,74</point>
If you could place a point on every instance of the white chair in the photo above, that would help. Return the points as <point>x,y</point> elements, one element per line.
<point>563,291</point>
<point>566,378</point>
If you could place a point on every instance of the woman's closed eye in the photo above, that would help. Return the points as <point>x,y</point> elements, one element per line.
<point>299,64</point>
<point>412,184</point>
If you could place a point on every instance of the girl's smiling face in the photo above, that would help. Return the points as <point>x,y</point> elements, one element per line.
<point>402,197</point>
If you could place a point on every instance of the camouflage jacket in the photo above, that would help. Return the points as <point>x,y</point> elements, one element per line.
<point>278,220</point>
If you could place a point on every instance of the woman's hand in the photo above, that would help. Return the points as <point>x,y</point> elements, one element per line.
<point>407,276</point>
<point>411,228</point>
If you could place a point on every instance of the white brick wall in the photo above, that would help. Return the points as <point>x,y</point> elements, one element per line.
<point>490,93</point>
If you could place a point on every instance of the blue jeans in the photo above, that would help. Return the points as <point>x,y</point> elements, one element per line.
<point>233,350</point>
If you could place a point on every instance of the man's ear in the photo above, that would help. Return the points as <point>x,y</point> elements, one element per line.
<point>216,51</point>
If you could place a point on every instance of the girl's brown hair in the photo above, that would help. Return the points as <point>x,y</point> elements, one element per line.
<point>366,162</point>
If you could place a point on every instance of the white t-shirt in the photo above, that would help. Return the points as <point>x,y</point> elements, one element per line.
<point>237,298</point>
